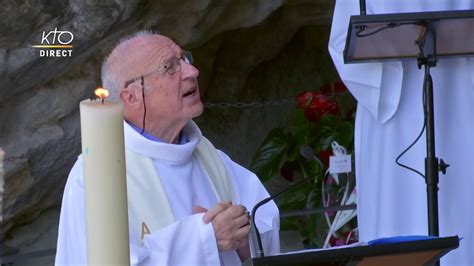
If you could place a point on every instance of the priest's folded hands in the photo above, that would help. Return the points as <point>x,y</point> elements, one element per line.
<point>231,225</point>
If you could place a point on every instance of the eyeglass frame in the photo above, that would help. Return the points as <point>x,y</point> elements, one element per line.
<point>187,57</point>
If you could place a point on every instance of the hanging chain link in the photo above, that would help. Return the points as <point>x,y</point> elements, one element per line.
<point>241,105</point>
<point>15,158</point>
<point>221,105</point>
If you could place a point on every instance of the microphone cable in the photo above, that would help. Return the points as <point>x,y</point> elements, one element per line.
<point>397,160</point>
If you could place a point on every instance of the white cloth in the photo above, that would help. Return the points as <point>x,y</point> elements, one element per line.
<point>142,212</point>
<point>188,241</point>
<point>392,200</point>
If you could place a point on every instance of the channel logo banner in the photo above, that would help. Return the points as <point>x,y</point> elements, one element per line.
<point>55,43</point>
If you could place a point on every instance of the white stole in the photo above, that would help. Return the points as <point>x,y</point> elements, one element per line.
<point>149,214</point>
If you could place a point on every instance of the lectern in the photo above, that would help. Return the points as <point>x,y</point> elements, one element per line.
<point>425,36</point>
<point>413,253</point>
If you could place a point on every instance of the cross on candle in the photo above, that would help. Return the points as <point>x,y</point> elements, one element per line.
<point>101,93</point>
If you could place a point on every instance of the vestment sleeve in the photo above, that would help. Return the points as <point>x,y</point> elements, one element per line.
<point>250,191</point>
<point>188,241</point>
<point>376,86</point>
<point>71,245</point>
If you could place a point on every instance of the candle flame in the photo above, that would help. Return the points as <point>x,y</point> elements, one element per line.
<point>101,93</point>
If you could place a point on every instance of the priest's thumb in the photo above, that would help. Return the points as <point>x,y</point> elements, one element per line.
<point>199,209</point>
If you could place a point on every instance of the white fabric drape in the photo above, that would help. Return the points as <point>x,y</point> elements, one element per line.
<point>392,200</point>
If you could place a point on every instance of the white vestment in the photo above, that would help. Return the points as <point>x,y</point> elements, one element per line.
<point>188,240</point>
<point>392,200</point>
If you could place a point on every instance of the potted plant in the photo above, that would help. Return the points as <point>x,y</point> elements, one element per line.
<point>320,118</point>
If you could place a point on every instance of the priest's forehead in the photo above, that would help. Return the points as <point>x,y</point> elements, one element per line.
<point>159,50</point>
<point>142,54</point>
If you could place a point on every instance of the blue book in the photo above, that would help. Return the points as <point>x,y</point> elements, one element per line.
<point>399,239</point>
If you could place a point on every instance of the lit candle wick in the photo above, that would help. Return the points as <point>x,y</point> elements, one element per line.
<point>101,93</point>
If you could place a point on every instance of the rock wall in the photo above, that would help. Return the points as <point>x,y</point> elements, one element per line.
<point>246,51</point>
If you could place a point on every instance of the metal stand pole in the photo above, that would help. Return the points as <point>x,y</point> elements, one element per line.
<point>427,58</point>
<point>431,161</point>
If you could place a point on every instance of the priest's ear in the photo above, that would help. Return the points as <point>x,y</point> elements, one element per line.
<point>132,96</point>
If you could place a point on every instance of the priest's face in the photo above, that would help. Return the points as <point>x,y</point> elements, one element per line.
<point>170,81</point>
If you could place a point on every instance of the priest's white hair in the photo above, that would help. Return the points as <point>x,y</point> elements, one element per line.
<point>111,80</point>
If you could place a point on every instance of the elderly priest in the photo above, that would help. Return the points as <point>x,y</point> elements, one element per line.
<point>187,201</point>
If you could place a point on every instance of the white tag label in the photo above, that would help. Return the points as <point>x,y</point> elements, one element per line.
<point>340,164</point>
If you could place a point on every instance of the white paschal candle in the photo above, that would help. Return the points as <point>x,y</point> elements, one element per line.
<point>103,153</point>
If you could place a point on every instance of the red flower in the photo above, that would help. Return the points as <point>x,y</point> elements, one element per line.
<point>333,87</point>
<point>316,105</point>
<point>328,107</point>
<point>342,239</point>
<point>312,114</point>
<point>287,172</point>
<point>330,201</point>
<point>337,241</point>
<point>324,156</point>
<point>306,98</point>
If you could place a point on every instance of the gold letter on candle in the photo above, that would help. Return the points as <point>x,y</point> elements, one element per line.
<point>145,230</point>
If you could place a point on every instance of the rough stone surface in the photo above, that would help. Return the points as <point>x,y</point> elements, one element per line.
<point>1,183</point>
<point>246,51</point>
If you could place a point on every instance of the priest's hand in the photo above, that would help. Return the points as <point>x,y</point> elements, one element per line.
<point>231,224</point>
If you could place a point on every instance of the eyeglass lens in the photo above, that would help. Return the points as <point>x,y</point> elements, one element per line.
<point>175,65</point>
<point>172,66</point>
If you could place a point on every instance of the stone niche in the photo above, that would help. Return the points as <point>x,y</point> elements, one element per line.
<point>246,51</point>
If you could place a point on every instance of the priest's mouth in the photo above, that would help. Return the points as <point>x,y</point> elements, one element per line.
<point>191,92</point>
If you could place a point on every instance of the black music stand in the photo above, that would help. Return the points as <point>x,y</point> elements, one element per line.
<point>425,36</point>
<point>413,253</point>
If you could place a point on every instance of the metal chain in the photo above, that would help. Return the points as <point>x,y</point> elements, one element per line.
<point>242,105</point>
<point>15,158</point>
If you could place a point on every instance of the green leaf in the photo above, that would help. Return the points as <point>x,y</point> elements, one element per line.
<point>269,156</point>
<point>294,200</point>
<point>345,135</point>
<point>297,117</point>
<point>346,103</point>
<point>289,223</point>
<point>325,143</point>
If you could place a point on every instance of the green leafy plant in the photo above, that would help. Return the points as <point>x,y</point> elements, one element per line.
<point>320,118</point>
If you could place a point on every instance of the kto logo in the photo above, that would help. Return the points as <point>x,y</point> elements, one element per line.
<point>56,43</point>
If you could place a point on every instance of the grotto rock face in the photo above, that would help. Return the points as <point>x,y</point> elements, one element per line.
<point>246,51</point>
